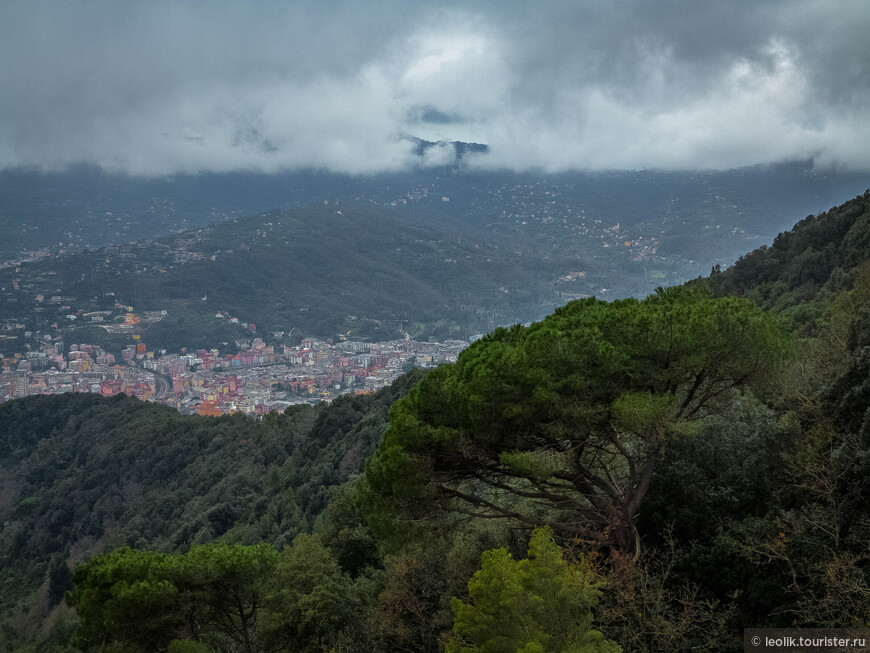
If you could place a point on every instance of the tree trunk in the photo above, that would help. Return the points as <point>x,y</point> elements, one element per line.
<point>622,536</point>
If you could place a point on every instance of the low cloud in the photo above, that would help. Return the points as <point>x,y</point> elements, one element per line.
<point>164,87</point>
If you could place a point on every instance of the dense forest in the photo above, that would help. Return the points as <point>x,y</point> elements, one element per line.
<point>81,474</point>
<point>640,475</point>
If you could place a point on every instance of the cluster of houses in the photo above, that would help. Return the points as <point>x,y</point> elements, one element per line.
<point>254,380</point>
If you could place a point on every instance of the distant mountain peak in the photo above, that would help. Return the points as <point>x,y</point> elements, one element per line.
<point>449,153</point>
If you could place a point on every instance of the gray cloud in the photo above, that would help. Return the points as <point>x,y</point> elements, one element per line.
<point>161,87</point>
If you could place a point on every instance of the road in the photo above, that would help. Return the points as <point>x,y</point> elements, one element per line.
<point>162,385</point>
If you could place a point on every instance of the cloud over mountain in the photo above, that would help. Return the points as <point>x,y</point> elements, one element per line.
<point>161,87</point>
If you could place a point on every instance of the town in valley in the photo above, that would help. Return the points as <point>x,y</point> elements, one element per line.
<point>256,380</point>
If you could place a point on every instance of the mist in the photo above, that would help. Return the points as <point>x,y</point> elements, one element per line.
<point>166,87</point>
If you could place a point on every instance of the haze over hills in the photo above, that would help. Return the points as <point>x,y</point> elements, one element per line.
<point>437,252</point>
<point>85,207</point>
<point>493,251</point>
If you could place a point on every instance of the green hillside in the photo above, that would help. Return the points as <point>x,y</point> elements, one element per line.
<point>438,254</point>
<point>643,475</point>
<point>85,207</point>
<point>81,474</point>
<point>822,254</point>
<point>354,270</point>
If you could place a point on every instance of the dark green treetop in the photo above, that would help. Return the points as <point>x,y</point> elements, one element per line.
<point>563,422</point>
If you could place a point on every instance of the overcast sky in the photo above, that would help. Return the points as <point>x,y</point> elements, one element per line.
<point>156,87</point>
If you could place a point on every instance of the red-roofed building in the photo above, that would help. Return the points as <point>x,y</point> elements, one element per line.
<point>209,409</point>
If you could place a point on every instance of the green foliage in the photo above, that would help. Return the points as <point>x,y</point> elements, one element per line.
<point>216,597</point>
<point>126,595</point>
<point>643,412</point>
<point>83,474</point>
<point>409,604</point>
<point>536,465</point>
<point>187,646</point>
<point>222,587</point>
<point>818,257</point>
<point>309,601</point>
<point>667,422</point>
<point>649,607</point>
<point>343,530</point>
<point>729,469</point>
<point>564,421</point>
<point>543,603</point>
<point>847,398</point>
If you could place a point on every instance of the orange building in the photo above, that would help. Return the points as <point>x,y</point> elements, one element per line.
<point>110,387</point>
<point>208,409</point>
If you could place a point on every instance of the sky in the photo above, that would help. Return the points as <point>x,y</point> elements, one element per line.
<point>158,87</point>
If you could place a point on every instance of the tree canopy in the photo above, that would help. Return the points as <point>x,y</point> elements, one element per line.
<point>228,598</point>
<point>563,422</point>
<point>81,474</point>
<point>666,421</point>
<point>543,603</point>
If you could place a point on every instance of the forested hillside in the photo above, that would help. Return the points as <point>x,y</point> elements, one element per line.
<point>355,270</point>
<point>641,475</point>
<point>81,474</point>
<point>87,207</point>
<point>439,253</point>
<point>821,254</point>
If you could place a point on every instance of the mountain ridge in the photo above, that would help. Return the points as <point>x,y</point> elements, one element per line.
<point>85,207</point>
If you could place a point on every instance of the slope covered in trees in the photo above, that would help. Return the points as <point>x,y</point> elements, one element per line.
<point>86,207</point>
<point>81,474</point>
<point>355,270</point>
<point>384,255</point>
<point>822,253</point>
<point>700,458</point>
<point>756,512</point>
